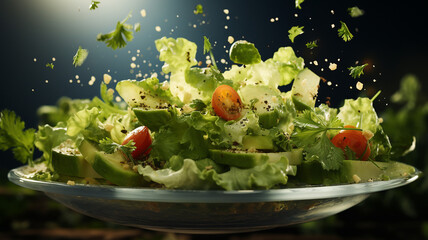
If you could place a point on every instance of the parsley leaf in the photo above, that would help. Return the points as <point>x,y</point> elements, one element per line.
<point>208,49</point>
<point>198,9</point>
<point>312,134</point>
<point>14,137</point>
<point>357,71</point>
<point>355,12</point>
<point>116,38</point>
<point>312,45</point>
<point>50,65</point>
<point>109,146</point>
<point>294,32</point>
<point>197,104</point>
<point>298,2</point>
<point>80,57</point>
<point>94,5</point>
<point>344,32</point>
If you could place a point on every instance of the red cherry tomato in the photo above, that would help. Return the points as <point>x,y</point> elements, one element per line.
<point>142,140</point>
<point>354,140</point>
<point>226,103</point>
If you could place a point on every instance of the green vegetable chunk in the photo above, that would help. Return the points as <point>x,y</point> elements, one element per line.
<point>243,52</point>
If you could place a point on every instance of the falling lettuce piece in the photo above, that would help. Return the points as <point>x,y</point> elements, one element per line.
<point>355,12</point>
<point>359,113</point>
<point>294,32</point>
<point>80,57</point>
<point>243,52</point>
<point>118,38</point>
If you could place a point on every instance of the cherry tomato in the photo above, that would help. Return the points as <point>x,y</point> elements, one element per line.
<point>142,140</point>
<point>354,140</point>
<point>226,103</point>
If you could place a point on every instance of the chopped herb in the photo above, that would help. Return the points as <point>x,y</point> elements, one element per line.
<point>137,27</point>
<point>355,12</point>
<point>50,65</point>
<point>208,49</point>
<point>357,71</point>
<point>116,38</point>
<point>14,137</point>
<point>109,146</point>
<point>80,57</point>
<point>198,9</point>
<point>312,132</point>
<point>94,5</point>
<point>294,32</point>
<point>312,45</point>
<point>198,105</point>
<point>344,32</point>
<point>298,2</point>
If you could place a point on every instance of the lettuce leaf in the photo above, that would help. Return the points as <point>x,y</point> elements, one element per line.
<point>48,137</point>
<point>192,176</point>
<point>178,55</point>
<point>360,114</point>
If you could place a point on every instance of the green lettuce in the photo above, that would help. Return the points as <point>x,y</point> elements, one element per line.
<point>203,176</point>
<point>360,114</point>
<point>48,137</point>
<point>178,55</point>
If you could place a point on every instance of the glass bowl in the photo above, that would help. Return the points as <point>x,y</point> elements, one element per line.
<point>207,211</point>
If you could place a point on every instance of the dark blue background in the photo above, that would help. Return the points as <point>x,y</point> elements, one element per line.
<point>391,36</point>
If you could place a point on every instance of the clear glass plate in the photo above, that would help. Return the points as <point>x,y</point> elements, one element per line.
<point>207,211</point>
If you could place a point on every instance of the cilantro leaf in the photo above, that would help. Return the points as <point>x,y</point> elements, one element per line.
<point>80,57</point>
<point>298,2</point>
<point>109,146</point>
<point>50,65</point>
<point>357,71</point>
<point>94,5</point>
<point>14,137</point>
<point>344,32</point>
<point>116,38</point>
<point>312,45</point>
<point>198,105</point>
<point>312,134</point>
<point>355,12</point>
<point>198,9</point>
<point>294,32</point>
<point>208,49</point>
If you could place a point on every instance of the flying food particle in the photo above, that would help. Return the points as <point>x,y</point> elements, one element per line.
<point>106,78</point>
<point>359,85</point>
<point>158,29</point>
<point>332,66</point>
<point>226,11</point>
<point>92,81</point>
<point>230,39</point>
<point>143,13</point>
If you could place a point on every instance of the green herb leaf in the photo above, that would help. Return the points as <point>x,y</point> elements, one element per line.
<point>109,146</point>
<point>355,12</point>
<point>80,57</point>
<point>50,65</point>
<point>311,132</point>
<point>357,71</point>
<point>118,38</point>
<point>198,105</point>
<point>137,27</point>
<point>312,45</point>
<point>294,32</point>
<point>344,32</point>
<point>198,9</point>
<point>94,5</point>
<point>208,48</point>
<point>298,3</point>
<point>14,137</point>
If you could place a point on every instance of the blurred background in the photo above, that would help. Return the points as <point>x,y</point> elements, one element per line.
<point>40,38</point>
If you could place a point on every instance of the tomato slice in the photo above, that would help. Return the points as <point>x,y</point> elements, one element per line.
<point>142,140</point>
<point>354,140</point>
<point>226,103</point>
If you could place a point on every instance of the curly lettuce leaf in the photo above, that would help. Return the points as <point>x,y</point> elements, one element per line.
<point>48,137</point>
<point>360,114</point>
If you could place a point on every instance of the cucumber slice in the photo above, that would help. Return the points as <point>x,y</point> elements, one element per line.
<point>243,159</point>
<point>257,142</point>
<point>73,165</point>
<point>305,89</point>
<point>111,166</point>
<point>152,118</point>
<point>352,171</point>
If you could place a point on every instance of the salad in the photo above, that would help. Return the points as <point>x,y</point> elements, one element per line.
<point>207,129</point>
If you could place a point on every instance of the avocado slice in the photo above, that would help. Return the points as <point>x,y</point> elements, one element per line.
<point>352,171</point>
<point>152,118</point>
<point>244,159</point>
<point>257,142</point>
<point>72,164</point>
<point>113,167</point>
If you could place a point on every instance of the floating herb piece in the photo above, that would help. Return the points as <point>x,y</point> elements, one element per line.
<point>294,32</point>
<point>344,32</point>
<point>357,71</point>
